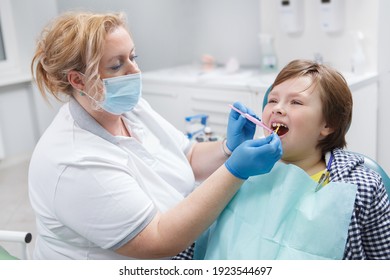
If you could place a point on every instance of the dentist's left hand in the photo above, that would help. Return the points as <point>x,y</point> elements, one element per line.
<point>239,128</point>
<point>255,157</point>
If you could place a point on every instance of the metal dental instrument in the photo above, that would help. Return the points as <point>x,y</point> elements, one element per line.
<point>325,176</point>
<point>252,119</point>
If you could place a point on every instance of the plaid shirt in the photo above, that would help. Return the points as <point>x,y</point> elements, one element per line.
<point>187,254</point>
<point>369,230</point>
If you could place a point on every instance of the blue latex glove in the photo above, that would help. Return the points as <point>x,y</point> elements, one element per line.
<point>239,128</point>
<point>255,157</point>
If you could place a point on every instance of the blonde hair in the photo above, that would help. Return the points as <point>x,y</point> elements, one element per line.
<point>73,41</point>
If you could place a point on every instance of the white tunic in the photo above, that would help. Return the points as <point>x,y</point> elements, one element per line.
<point>92,192</point>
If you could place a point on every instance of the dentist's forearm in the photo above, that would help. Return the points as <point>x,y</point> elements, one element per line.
<point>205,158</point>
<point>171,232</point>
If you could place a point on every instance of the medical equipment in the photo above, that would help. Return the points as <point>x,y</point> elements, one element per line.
<point>291,16</point>
<point>358,59</point>
<point>195,125</point>
<point>276,130</point>
<point>268,55</point>
<point>251,118</point>
<point>122,93</point>
<point>325,176</point>
<point>332,14</point>
<point>372,164</point>
<point>21,238</point>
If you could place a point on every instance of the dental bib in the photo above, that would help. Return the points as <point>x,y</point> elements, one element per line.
<point>280,216</point>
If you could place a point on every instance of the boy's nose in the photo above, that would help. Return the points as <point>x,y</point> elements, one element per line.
<point>278,109</point>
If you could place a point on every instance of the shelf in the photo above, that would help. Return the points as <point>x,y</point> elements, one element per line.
<point>14,78</point>
<point>250,79</point>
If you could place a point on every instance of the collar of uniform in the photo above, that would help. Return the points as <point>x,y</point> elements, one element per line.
<point>87,122</point>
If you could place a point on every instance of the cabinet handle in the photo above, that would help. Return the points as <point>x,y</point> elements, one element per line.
<point>208,99</point>
<point>160,94</point>
<point>225,111</point>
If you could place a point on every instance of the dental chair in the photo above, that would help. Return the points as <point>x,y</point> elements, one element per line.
<point>373,165</point>
<point>370,163</point>
<point>21,238</point>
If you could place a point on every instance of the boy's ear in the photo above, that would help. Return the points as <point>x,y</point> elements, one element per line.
<point>326,130</point>
<point>76,80</point>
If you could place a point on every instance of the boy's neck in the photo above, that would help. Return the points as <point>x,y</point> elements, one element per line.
<point>310,165</point>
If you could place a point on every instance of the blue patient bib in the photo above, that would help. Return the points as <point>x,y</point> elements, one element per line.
<point>280,216</point>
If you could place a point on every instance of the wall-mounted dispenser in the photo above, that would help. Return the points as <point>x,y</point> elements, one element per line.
<point>332,13</point>
<point>268,55</point>
<point>291,16</point>
<point>358,59</point>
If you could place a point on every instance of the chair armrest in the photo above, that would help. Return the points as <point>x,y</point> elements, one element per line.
<point>15,236</point>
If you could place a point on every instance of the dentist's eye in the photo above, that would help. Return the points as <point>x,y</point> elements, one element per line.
<point>116,67</point>
<point>132,58</point>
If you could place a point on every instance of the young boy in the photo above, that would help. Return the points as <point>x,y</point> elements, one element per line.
<point>310,107</point>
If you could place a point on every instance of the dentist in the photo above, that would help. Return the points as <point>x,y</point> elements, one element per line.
<point>110,178</point>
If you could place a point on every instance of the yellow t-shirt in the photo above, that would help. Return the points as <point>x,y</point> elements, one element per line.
<point>316,177</point>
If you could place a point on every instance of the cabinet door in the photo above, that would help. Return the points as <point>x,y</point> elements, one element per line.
<point>175,102</point>
<point>169,101</point>
<point>214,103</point>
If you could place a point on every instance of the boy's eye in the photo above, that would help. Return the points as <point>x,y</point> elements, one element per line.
<point>296,102</point>
<point>272,101</point>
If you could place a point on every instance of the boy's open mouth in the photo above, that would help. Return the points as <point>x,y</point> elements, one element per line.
<point>280,128</point>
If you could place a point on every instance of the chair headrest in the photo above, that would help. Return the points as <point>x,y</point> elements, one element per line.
<point>265,99</point>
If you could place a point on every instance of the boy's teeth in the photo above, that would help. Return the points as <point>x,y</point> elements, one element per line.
<point>278,124</point>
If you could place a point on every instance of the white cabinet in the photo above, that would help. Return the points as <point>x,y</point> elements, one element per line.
<point>178,93</point>
<point>184,91</point>
<point>168,100</point>
<point>175,102</point>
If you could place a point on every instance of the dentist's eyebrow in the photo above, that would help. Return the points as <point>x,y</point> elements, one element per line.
<point>120,56</point>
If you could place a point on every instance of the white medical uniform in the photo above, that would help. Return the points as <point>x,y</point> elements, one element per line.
<point>93,192</point>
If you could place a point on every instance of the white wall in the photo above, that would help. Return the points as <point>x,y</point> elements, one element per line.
<point>227,28</point>
<point>162,30</point>
<point>174,32</point>
<point>384,84</point>
<point>18,118</point>
<point>336,48</point>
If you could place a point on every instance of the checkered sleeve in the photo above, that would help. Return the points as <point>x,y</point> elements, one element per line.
<point>369,229</point>
<point>187,254</point>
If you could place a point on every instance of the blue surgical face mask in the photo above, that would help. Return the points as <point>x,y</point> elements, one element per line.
<point>121,93</point>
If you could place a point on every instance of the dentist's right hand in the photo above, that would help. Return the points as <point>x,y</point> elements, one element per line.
<point>255,157</point>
